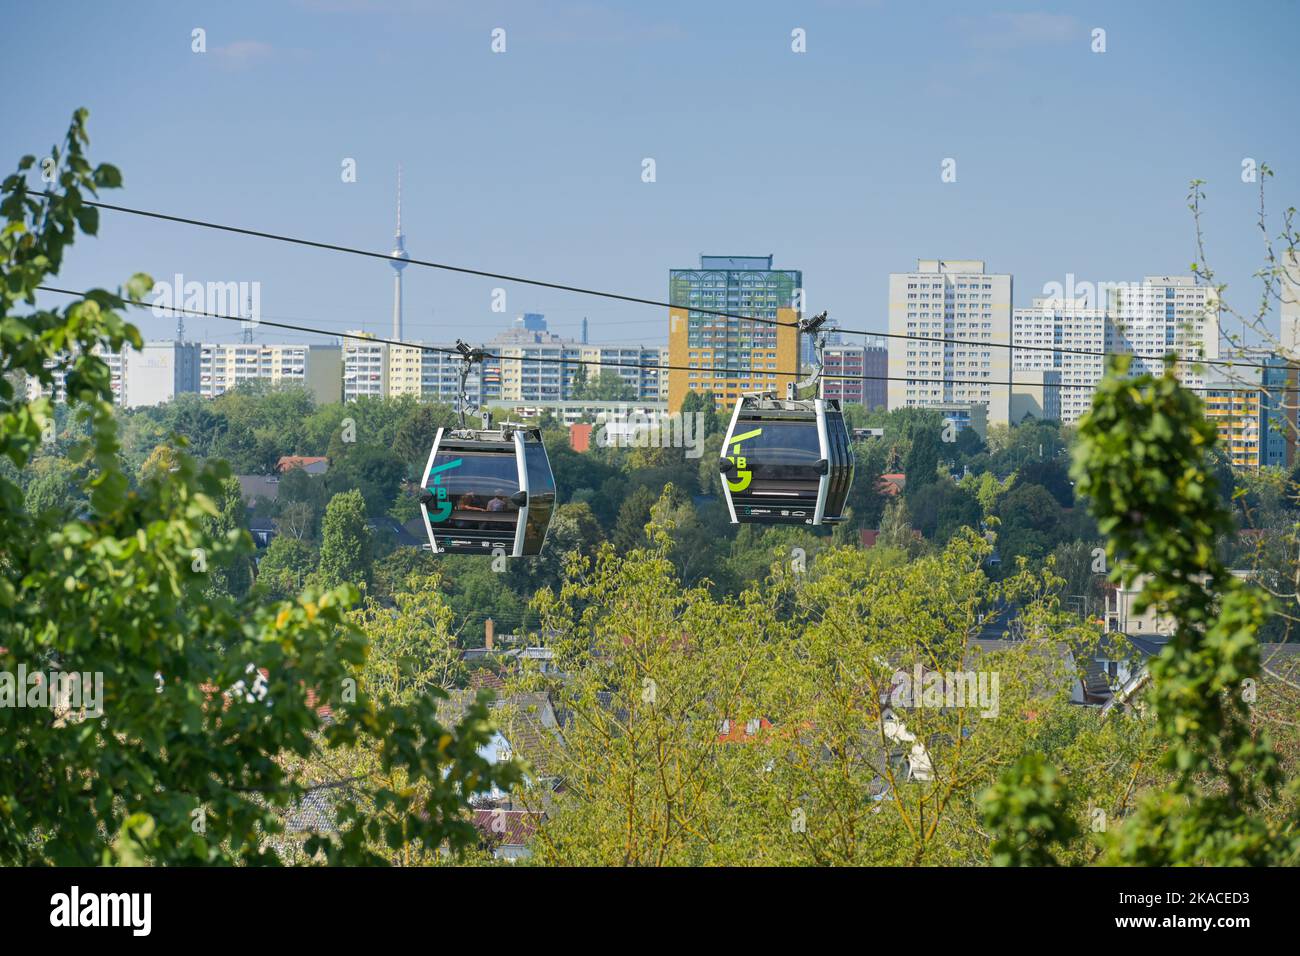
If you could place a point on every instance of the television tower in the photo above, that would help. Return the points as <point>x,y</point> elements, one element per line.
<point>398,262</point>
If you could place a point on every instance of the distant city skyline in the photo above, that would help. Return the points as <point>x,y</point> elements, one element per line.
<point>532,161</point>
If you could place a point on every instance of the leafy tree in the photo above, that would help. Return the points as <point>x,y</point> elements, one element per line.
<point>160,462</point>
<point>866,499</point>
<point>374,472</point>
<point>230,571</point>
<point>578,383</point>
<point>394,571</point>
<point>286,567</point>
<point>1030,522</point>
<point>987,490</point>
<point>345,542</point>
<point>608,386</point>
<point>415,433</point>
<point>633,516</point>
<point>1028,811</point>
<point>179,752</point>
<point>922,462</point>
<point>940,509</point>
<point>1050,474</point>
<point>55,486</point>
<point>296,520</point>
<point>1143,462</point>
<point>655,669</point>
<point>896,527</point>
<point>705,403</point>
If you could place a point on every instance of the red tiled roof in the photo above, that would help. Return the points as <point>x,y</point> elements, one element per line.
<point>486,678</point>
<point>289,462</point>
<point>511,827</point>
<point>891,484</point>
<point>738,731</point>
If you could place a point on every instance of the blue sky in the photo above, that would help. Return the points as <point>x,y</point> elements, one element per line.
<point>529,161</point>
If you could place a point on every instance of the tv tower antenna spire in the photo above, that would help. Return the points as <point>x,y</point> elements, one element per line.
<point>398,262</point>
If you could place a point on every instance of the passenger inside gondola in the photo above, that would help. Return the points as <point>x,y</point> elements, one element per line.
<point>480,486</point>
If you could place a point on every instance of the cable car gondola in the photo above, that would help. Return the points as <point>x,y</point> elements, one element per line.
<point>787,461</point>
<point>487,489</point>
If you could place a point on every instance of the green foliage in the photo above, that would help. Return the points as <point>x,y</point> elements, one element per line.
<point>608,386</point>
<point>345,541</point>
<point>1027,812</point>
<point>230,573</point>
<point>1029,523</point>
<point>1144,463</point>
<point>285,568</point>
<point>197,703</point>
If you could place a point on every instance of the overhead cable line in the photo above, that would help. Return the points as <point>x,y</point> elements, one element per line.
<point>371,339</point>
<point>621,297</point>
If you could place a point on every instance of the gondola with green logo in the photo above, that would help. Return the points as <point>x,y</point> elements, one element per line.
<point>487,490</point>
<point>787,461</point>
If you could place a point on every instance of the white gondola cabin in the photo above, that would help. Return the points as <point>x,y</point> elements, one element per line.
<point>786,461</point>
<point>488,492</point>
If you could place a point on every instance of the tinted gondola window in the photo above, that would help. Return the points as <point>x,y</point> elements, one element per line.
<point>541,496</point>
<point>781,450</point>
<point>841,472</point>
<point>472,490</point>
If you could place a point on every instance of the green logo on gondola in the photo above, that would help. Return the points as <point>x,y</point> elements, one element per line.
<point>743,475</point>
<point>439,491</point>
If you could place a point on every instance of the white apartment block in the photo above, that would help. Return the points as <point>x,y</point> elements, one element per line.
<point>1052,323</point>
<point>950,299</point>
<point>1161,314</point>
<point>405,369</point>
<point>365,368</point>
<point>432,372</point>
<point>158,373</point>
<point>151,375</point>
<point>547,378</point>
<point>638,366</point>
<point>58,391</point>
<point>440,377</point>
<point>1164,314</point>
<point>226,365</point>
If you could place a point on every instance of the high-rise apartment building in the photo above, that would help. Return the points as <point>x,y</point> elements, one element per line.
<point>226,365</point>
<point>57,391</point>
<point>115,361</point>
<point>956,319</point>
<point>856,374</point>
<point>637,365</point>
<point>161,370</point>
<point>538,372</point>
<point>365,367</point>
<point>151,375</point>
<point>1161,315</point>
<point>1278,403</point>
<point>1238,414</point>
<point>158,373</point>
<point>1067,324</point>
<point>733,356</point>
